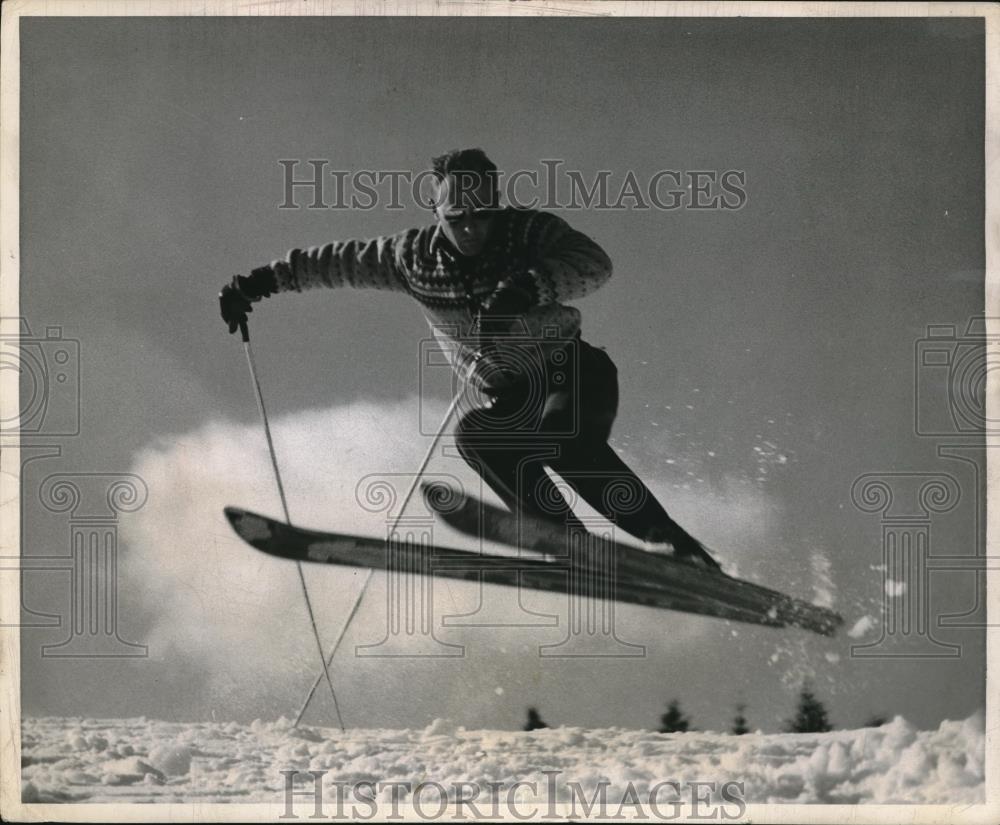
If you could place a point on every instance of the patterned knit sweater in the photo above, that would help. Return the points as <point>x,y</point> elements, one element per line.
<point>537,252</point>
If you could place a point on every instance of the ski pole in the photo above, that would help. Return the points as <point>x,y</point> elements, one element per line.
<point>368,576</point>
<point>245,333</point>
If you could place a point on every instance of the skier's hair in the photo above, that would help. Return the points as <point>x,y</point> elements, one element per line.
<point>469,166</point>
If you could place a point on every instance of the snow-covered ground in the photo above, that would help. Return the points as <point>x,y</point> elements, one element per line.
<point>150,761</point>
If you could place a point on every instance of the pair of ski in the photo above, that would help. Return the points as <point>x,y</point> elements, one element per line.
<point>553,559</point>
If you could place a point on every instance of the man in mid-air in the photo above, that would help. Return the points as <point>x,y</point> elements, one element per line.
<point>490,278</point>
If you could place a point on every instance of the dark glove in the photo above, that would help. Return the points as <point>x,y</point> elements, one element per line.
<point>237,297</point>
<point>507,299</point>
<point>493,371</point>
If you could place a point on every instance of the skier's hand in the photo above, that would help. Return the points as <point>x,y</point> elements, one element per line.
<point>233,307</point>
<point>507,299</point>
<point>237,297</point>
<point>494,372</point>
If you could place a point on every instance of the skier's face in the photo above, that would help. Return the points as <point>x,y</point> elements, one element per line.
<point>465,213</point>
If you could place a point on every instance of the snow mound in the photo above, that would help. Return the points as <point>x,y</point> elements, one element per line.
<point>172,760</point>
<point>129,771</point>
<point>440,727</point>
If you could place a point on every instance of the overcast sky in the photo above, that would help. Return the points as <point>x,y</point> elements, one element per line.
<point>766,355</point>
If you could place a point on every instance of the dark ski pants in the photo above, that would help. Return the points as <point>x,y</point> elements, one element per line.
<point>566,428</point>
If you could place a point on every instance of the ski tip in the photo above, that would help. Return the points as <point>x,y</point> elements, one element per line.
<point>827,623</point>
<point>791,612</point>
<point>258,531</point>
<point>235,516</point>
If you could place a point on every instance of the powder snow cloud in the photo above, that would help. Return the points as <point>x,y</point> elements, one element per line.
<point>237,617</point>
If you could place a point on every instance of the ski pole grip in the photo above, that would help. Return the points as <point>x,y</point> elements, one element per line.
<point>244,332</point>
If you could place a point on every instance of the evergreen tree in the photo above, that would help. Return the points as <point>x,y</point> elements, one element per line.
<point>740,721</point>
<point>811,715</point>
<point>534,721</point>
<point>674,721</point>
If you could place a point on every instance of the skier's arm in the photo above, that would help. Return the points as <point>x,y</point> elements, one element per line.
<point>361,264</point>
<point>563,263</point>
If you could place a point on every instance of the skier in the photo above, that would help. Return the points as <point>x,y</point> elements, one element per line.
<point>493,282</point>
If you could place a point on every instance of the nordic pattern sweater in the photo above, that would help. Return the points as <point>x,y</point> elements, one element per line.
<point>537,252</point>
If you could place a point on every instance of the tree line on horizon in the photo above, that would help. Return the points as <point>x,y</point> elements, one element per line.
<point>811,716</point>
